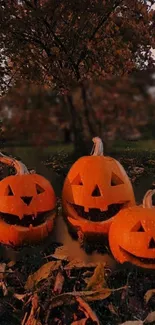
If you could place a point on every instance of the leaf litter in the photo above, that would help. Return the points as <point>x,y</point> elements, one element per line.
<point>69,291</point>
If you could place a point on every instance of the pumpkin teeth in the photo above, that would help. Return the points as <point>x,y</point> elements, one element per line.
<point>96,215</point>
<point>27,220</point>
<point>144,260</point>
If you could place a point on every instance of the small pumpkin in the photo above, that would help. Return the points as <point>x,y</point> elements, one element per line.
<point>27,209</point>
<point>95,190</point>
<point>132,236</point>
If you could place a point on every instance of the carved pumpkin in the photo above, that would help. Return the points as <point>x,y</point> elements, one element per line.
<point>94,191</point>
<point>132,236</point>
<point>27,209</point>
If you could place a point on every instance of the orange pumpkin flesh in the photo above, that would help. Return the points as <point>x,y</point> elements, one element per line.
<point>94,191</point>
<point>27,209</point>
<point>132,237</point>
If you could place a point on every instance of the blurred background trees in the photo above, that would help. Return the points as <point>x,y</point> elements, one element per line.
<point>65,68</point>
<point>121,108</point>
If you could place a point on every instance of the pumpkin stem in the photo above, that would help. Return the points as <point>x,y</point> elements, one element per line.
<point>18,165</point>
<point>147,200</point>
<point>97,149</point>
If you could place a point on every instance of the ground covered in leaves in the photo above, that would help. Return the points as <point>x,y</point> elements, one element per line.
<point>44,285</point>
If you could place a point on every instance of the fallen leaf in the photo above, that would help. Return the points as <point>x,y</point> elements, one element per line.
<point>87,310</point>
<point>4,288</point>
<point>21,296</point>
<point>43,273</point>
<point>70,297</point>
<point>97,281</point>
<point>2,270</point>
<point>77,263</point>
<point>112,309</point>
<point>148,295</point>
<point>61,253</point>
<point>59,282</point>
<point>132,322</point>
<point>11,263</point>
<point>33,318</point>
<point>150,318</point>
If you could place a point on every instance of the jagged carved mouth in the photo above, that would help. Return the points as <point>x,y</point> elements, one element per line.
<point>143,260</point>
<point>96,214</point>
<point>27,220</point>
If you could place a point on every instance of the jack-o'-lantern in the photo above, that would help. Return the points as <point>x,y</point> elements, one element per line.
<point>27,209</point>
<point>132,236</point>
<point>94,191</point>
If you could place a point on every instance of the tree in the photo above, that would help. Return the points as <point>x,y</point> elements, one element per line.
<point>58,43</point>
<point>61,43</point>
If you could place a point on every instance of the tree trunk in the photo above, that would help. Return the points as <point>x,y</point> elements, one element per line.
<point>80,145</point>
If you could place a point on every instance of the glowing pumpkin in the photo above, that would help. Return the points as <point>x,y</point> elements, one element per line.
<point>95,190</point>
<point>27,209</point>
<point>132,236</point>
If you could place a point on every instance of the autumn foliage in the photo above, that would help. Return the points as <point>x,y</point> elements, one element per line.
<point>59,43</point>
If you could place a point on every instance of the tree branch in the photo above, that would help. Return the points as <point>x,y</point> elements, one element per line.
<point>100,24</point>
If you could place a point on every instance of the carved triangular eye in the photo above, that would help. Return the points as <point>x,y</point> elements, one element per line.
<point>77,180</point>
<point>152,243</point>
<point>96,191</point>
<point>9,191</point>
<point>39,189</point>
<point>138,228</point>
<point>141,229</point>
<point>115,180</point>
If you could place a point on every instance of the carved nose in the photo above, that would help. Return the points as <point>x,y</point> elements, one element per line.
<point>26,199</point>
<point>152,243</point>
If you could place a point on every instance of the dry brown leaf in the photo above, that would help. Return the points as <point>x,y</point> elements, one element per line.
<point>148,295</point>
<point>4,288</point>
<point>112,309</point>
<point>11,263</point>
<point>33,318</point>
<point>150,318</point>
<point>59,282</point>
<point>87,310</point>
<point>97,281</point>
<point>132,322</point>
<point>21,296</point>
<point>2,270</point>
<point>61,253</point>
<point>43,273</point>
<point>70,297</point>
<point>77,263</point>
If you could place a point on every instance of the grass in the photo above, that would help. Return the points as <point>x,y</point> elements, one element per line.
<point>25,152</point>
<point>140,145</point>
<point>128,148</point>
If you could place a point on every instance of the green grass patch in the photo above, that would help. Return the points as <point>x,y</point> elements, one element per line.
<point>140,145</point>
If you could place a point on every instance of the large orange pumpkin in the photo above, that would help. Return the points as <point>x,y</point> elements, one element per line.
<point>94,191</point>
<point>132,236</point>
<point>27,209</point>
